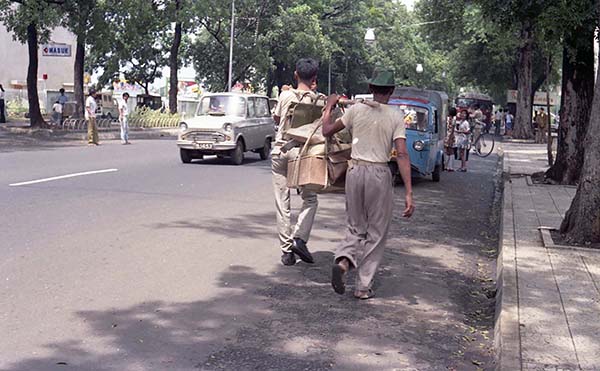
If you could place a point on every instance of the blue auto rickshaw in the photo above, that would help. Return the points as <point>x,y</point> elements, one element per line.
<point>425,113</point>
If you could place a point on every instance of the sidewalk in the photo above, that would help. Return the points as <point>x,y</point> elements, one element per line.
<point>548,315</point>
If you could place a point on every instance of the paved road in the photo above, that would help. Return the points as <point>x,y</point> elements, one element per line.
<point>165,266</point>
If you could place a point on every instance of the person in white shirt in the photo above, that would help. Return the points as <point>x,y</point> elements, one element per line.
<point>123,114</point>
<point>90,116</point>
<point>57,110</point>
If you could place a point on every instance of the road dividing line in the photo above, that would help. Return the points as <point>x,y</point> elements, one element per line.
<point>63,177</point>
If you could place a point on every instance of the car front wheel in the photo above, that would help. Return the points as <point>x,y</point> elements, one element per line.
<point>237,155</point>
<point>186,156</point>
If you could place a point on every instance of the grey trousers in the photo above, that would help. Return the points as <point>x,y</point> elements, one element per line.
<point>369,197</point>
<point>306,217</point>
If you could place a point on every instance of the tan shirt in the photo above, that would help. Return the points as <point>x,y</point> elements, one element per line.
<point>374,130</point>
<point>286,98</point>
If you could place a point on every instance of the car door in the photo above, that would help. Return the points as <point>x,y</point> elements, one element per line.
<point>252,126</point>
<point>267,124</point>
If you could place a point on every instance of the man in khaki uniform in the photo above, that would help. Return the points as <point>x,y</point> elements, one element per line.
<point>369,189</point>
<point>293,239</point>
<point>541,121</point>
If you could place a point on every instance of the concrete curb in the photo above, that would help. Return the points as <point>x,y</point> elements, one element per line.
<point>134,133</point>
<point>507,340</point>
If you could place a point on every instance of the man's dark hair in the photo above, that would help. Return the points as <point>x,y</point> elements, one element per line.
<point>92,91</point>
<point>452,111</point>
<point>125,95</point>
<point>381,90</point>
<point>500,110</point>
<point>307,69</point>
<point>61,90</point>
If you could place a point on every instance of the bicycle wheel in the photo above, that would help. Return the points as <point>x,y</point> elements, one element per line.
<point>484,145</point>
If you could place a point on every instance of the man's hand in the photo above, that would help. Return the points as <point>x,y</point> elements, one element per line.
<point>410,206</point>
<point>332,100</point>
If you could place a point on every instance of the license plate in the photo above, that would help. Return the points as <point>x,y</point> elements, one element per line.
<point>203,145</point>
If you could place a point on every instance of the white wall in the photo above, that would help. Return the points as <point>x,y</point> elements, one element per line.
<point>14,61</point>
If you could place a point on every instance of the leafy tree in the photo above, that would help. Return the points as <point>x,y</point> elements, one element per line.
<point>180,12</point>
<point>85,18</point>
<point>31,22</point>
<point>134,44</point>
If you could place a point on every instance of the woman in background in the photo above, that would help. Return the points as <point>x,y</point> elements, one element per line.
<point>463,142</point>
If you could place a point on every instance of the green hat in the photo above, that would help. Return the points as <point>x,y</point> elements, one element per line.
<point>382,77</point>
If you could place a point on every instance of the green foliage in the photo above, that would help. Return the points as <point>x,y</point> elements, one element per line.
<point>17,15</point>
<point>135,42</point>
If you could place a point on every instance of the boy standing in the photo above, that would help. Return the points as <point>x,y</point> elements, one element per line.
<point>293,239</point>
<point>369,189</point>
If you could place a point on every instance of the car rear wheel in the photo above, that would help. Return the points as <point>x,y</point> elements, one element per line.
<point>265,150</point>
<point>186,156</point>
<point>237,155</point>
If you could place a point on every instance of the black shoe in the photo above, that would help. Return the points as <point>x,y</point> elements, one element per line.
<point>299,248</point>
<point>288,258</point>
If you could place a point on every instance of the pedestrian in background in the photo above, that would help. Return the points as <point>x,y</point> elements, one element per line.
<point>450,140</point>
<point>541,121</point>
<point>57,110</point>
<point>2,105</point>
<point>509,123</point>
<point>463,140</point>
<point>90,116</point>
<point>62,98</point>
<point>369,188</point>
<point>498,121</point>
<point>123,116</point>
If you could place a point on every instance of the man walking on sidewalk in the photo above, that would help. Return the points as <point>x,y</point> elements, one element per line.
<point>90,116</point>
<point>293,239</point>
<point>369,189</point>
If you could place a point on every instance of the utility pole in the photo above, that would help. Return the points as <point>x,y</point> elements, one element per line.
<point>231,45</point>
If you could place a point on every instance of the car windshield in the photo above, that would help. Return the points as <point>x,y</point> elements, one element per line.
<point>222,105</point>
<point>415,118</point>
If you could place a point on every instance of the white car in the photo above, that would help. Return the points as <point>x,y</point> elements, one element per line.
<point>228,124</point>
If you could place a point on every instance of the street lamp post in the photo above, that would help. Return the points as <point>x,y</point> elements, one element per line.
<point>231,45</point>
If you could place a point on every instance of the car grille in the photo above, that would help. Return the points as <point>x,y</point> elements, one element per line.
<point>204,136</point>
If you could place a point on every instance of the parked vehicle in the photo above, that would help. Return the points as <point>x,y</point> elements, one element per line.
<point>425,119</point>
<point>228,124</point>
<point>107,106</point>
<point>466,101</point>
<point>153,102</point>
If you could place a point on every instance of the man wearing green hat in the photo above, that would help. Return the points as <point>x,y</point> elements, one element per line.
<point>375,127</point>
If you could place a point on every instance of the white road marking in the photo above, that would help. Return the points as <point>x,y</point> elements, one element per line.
<point>63,177</point>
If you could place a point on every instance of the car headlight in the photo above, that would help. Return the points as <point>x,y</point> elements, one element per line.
<point>418,145</point>
<point>228,127</point>
<point>183,126</point>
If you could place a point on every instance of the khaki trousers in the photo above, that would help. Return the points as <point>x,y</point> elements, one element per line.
<point>92,131</point>
<point>306,217</point>
<point>369,197</point>
<point>541,136</point>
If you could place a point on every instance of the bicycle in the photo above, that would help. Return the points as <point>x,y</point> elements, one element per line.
<point>483,145</point>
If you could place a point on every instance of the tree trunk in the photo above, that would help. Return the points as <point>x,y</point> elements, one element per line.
<point>523,129</point>
<point>174,64</point>
<point>576,106</point>
<point>78,76</point>
<point>582,221</point>
<point>35,115</point>
<point>270,84</point>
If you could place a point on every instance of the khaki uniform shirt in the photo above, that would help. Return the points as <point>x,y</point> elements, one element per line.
<point>374,130</point>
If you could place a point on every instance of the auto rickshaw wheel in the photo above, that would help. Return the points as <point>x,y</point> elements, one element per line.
<point>437,172</point>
